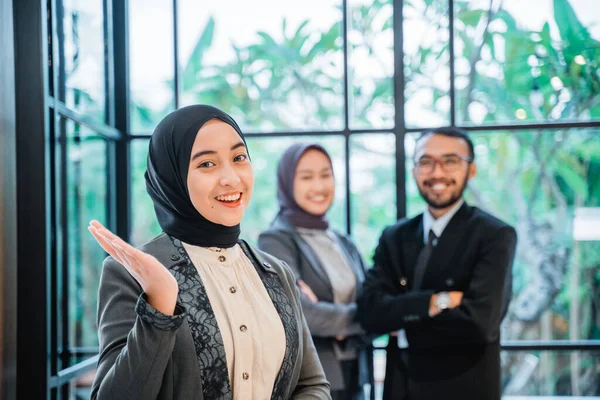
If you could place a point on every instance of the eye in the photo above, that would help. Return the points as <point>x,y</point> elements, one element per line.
<point>451,160</point>
<point>240,158</point>
<point>424,161</point>
<point>206,164</point>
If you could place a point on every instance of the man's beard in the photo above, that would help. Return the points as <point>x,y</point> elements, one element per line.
<point>439,204</point>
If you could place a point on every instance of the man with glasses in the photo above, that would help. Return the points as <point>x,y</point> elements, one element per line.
<point>442,280</point>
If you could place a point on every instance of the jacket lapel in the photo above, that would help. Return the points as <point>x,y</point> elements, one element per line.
<point>306,251</point>
<point>412,244</point>
<point>443,253</point>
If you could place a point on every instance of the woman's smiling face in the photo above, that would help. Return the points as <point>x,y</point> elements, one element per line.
<point>220,176</point>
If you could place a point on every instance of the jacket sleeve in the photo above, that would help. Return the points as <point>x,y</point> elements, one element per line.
<point>312,383</point>
<point>136,340</point>
<point>325,319</point>
<point>382,308</point>
<point>485,302</point>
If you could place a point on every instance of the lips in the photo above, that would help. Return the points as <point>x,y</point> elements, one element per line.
<point>318,198</point>
<point>230,200</point>
<point>438,186</point>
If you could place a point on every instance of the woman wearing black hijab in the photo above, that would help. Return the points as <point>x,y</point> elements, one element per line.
<point>197,313</point>
<point>327,265</point>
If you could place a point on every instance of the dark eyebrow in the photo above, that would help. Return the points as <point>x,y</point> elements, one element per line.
<point>237,146</point>
<point>443,155</point>
<point>205,152</point>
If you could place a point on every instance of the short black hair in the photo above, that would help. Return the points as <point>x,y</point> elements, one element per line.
<point>453,132</point>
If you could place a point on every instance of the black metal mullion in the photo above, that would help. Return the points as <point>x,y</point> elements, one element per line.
<point>346,132</point>
<point>63,267</point>
<point>472,128</point>
<point>109,70</point>
<point>60,287</point>
<point>63,241</point>
<point>296,134</point>
<point>529,126</point>
<point>551,345</point>
<point>452,67</point>
<point>120,165</point>
<point>54,334</point>
<point>347,184</point>
<point>176,80</point>
<point>399,122</point>
<point>34,240</point>
<point>544,345</point>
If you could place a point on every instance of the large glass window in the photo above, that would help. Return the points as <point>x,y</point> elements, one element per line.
<point>540,58</point>
<point>521,77</point>
<point>151,64</point>
<point>271,65</point>
<point>86,200</point>
<point>81,57</point>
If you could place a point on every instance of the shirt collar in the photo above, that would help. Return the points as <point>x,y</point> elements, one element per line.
<point>438,225</point>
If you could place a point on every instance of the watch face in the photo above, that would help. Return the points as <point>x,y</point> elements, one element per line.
<point>443,301</point>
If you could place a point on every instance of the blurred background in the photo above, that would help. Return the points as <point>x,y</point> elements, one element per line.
<point>91,78</point>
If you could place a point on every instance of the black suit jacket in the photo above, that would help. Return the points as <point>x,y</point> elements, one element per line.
<point>455,354</point>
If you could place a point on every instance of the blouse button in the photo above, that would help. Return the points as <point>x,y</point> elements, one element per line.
<point>243,328</point>
<point>232,289</point>
<point>403,281</point>
<point>245,375</point>
<point>222,258</point>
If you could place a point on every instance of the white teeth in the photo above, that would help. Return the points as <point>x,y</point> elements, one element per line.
<point>231,197</point>
<point>318,198</point>
<point>439,186</point>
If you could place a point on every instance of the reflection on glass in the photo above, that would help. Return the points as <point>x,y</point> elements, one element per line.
<point>82,48</point>
<point>371,64</point>
<point>151,65</point>
<point>426,63</point>
<point>144,225</point>
<point>265,155</point>
<point>272,65</point>
<point>533,61</point>
<point>86,200</point>
<point>550,373</point>
<point>537,181</point>
<point>373,186</point>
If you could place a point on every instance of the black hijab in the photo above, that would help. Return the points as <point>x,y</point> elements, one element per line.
<point>166,178</point>
<point>286,172</point>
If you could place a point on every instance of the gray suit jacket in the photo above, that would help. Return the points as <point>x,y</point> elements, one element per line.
<point>326,319</point>
<point>147,355</point>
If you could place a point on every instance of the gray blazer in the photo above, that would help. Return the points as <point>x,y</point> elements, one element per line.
<point>326,319</point>
<point>145,354</point>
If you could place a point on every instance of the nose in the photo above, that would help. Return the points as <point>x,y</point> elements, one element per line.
<point>229,176</point>
<point>437,171</point>
<point>318,185</point>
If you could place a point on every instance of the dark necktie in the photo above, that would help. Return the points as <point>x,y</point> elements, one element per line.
<point>423,259</point>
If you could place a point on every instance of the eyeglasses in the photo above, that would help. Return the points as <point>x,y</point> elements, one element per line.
<point>448,163</point>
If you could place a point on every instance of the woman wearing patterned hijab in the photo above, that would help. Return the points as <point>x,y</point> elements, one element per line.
<point>327,265</point>
<point>197,313</point>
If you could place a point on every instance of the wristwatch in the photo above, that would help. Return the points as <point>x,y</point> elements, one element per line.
<point>442,301</point>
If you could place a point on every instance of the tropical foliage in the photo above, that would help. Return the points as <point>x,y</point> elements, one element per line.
<point>506,73</point>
